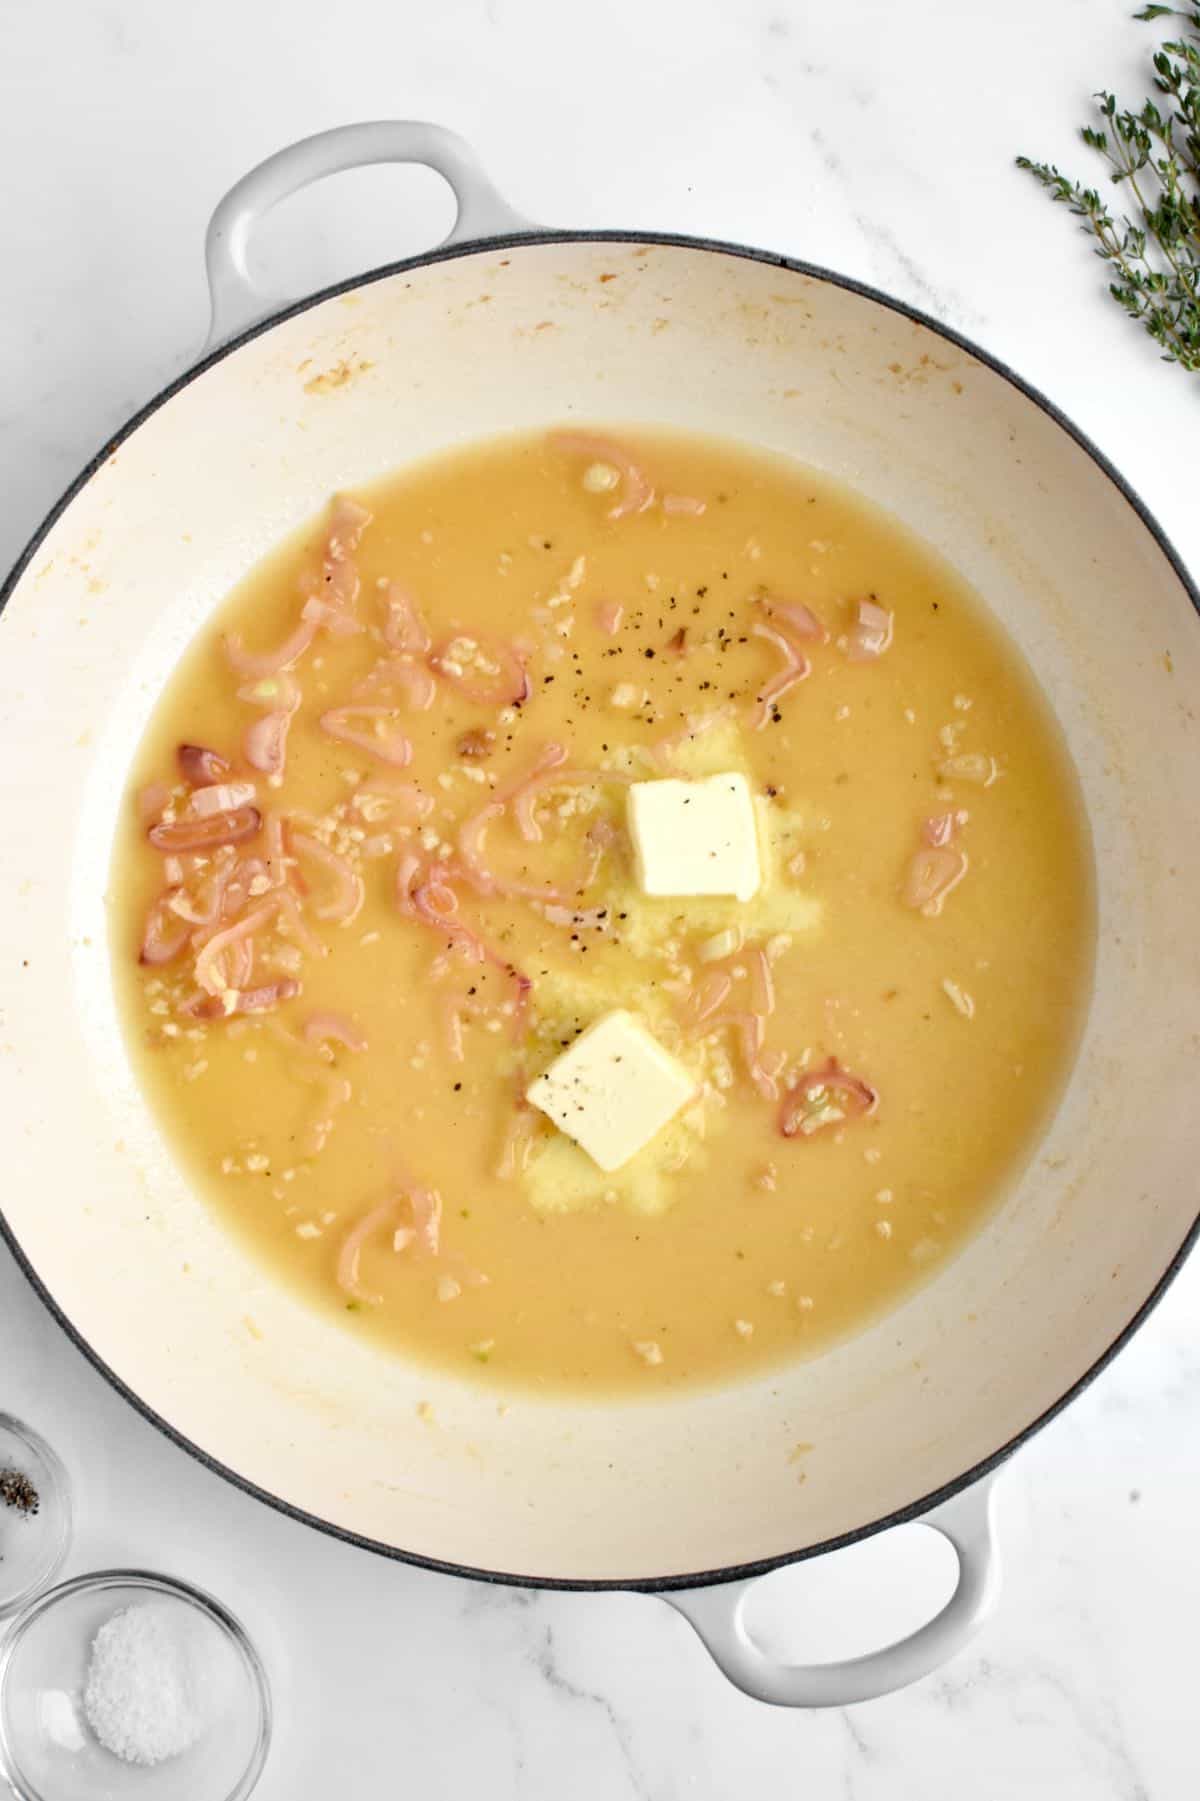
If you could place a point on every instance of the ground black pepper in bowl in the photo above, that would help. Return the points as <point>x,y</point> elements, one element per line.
<point>17,1491</point>
<point>35,1516</point>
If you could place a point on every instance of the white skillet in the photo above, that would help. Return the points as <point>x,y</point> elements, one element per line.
<point>505,328</point>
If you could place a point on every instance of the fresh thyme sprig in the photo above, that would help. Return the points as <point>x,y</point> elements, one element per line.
<point>1155,255</point>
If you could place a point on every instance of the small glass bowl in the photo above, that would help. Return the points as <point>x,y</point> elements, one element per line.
<point>32,1545</point>
<point>47,1748</point>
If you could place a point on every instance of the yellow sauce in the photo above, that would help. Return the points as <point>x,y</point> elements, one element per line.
<point>724,1246</point>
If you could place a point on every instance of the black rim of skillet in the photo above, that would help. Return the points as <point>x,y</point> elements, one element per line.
<point>1121,490</point>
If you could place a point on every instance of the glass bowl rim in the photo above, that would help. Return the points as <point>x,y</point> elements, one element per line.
<point>13,1631</point>
<point>14,1608</point>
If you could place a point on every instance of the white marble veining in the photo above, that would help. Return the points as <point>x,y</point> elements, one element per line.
<point>876,140</point>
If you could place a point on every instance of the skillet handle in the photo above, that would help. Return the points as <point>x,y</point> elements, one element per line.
<point>718,1616</point>
<point>482,212</point>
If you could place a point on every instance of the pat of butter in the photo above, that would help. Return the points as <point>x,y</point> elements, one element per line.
<point>695,837</point>
<point>613,1089</point>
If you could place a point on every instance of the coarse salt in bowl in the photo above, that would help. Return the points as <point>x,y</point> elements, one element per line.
<point>122,1683</point>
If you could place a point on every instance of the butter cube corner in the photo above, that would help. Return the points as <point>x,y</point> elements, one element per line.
<point>695,837</point>
<point>613,1089</point>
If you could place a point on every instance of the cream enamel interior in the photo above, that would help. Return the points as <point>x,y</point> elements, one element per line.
<point>502,339</point>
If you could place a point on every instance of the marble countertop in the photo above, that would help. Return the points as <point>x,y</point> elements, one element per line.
<point>877,141</point>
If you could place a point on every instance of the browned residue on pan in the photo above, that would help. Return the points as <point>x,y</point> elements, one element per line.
<point>337,376</point>
<point>923,370</point>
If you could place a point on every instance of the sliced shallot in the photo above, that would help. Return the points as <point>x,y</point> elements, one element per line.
<point>418,683</point>
<point>204,907</point>
<point>222,797</point>
<point>421,895</point>
<point>937,830</point>
<point>160,945</point>
<point>270,994</point>
<point>395,798</point>
<point>184,835</point>
<point>940,828</point>
<point>350,1255</point>
<point>712,992</point>
<point>415,678</point>
<point>551,756</point>
<point>472,852</point>
<point>326,609</point>
<point>795,620</point>
<point>333,619</point>
<point>931,876</point>
<point>706,1012</point>
<point>247,1000</point>
<point>390,746</point>
<point>210,970</point>
<point>345,901</point>
<point>426,895</point>
<point>249,879</point>
<point>939,866</point>
<point>200,767</point>
<point>265,744</point>
<point>347,523</point>
<point>762,979</point>
<point>751,1030</point>
<point>339,576</point>
<point>269,662</point>
<point>525,801</point>
<point>637,493</point>
<point>824,1097</point>
<point>795,667</point>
